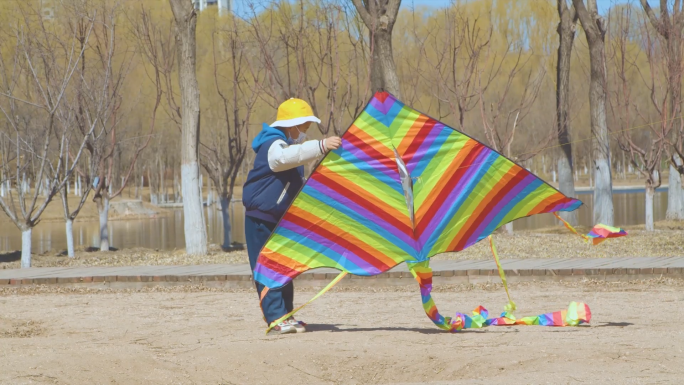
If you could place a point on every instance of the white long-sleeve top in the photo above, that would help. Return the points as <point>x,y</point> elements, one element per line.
<point>282,156</point>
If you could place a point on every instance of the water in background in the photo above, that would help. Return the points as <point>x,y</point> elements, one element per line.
<point>166,232</point>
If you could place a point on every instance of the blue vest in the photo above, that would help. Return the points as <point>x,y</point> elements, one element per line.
<point>268,194</point>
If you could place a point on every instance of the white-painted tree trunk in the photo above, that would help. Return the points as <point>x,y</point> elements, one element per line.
<point>195,230</point>
<point>26,248</point>
<point>104,219</point>
<point>650,193</point>
<point>186,26</point>
<point>675,195</point>
<point>70,237</point>
<point>603,193</point>
<point>509,227</point>
<point>567,187</point>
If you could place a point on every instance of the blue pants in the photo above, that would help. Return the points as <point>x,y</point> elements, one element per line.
<point>277,302</point>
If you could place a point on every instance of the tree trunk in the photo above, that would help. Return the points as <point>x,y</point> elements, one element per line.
<point>595,32</point>
<point>603,190</point>
<point>225,214</point>
<point>675,205</point>
<point>650,193</point>
<point>509,227</point>
<point>162,187</point>
<point>567,186</point>
<point>103,211</point>
<point>383,70</point>
<point>566,33</point>
<point>186,24</point>
<point>70,237</point>
<point>26,248</point>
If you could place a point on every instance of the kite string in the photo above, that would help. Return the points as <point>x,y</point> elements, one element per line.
<point>290,314</point>
<point>569,227</point>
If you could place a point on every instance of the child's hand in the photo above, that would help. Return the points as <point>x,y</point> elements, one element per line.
<point>332,143</point>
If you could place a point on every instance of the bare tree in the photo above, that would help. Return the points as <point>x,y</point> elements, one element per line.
<point>595,31</point>
<point>566,35</point>
<point>379,17</point>
<point>186,26</point>
<point>330,72</point>
<point>224,152</point>
<point>670,27</point>
<point>645,158</point>
<point>35,83</point>
<point>157,46</point>
<point>102,75</point>
<point>501,119</point>
<point>456,78</point>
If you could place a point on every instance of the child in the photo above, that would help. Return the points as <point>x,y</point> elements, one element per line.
<point>271,186</point>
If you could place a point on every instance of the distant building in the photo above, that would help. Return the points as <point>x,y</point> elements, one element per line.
<point>47,9</point>
<point>224,6</point>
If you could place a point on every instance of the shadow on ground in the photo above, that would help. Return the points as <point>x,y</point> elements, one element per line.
<point>435,330</point>
<point>614,324</point>
<point>10,257</point>
<point>495,329</point>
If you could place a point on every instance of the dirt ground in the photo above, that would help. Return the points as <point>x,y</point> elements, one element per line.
<point>203,336</point>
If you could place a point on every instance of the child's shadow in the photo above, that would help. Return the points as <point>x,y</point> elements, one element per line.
<point>336,329</point>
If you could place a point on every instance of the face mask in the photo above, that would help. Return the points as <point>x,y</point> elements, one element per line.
<point>300,139</point>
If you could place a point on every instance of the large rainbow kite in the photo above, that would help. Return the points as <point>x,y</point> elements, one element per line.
<point>404,187</point>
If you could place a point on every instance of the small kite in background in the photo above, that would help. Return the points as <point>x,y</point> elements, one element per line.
<point>597,234</point>
<point>404,187</point>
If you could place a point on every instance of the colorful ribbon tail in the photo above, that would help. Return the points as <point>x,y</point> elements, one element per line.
<point>290,314</point>
<point>423,274</point>
<point>576,314</point>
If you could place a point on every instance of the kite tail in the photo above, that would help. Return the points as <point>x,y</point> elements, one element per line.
<point>423,274</point>
<point>576,314</point>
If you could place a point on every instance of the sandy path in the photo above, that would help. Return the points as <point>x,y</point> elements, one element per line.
<point>206,337</point>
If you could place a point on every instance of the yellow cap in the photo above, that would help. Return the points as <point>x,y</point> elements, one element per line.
<point>294,112</point>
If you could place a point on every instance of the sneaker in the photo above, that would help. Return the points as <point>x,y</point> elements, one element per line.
<point>284,327</point>
<point>298,325</point>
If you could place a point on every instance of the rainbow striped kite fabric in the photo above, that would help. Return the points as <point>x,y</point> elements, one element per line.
<point>403,187</point>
